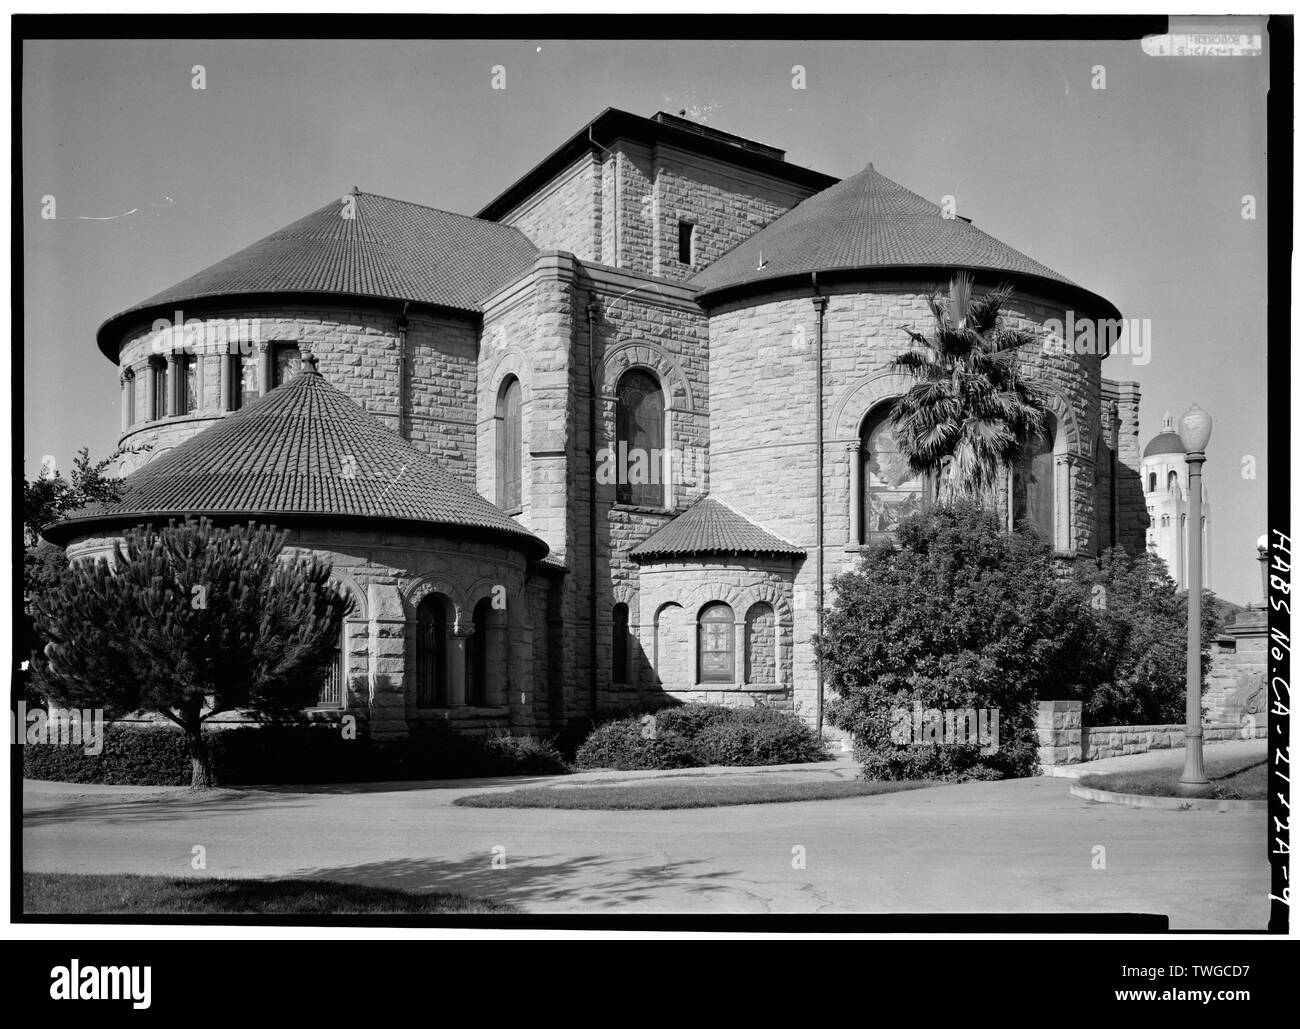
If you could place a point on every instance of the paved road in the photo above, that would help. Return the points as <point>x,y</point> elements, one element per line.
<point>1017,846</point>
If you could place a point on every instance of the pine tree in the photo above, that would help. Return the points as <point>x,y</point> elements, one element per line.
<point>190,621</point>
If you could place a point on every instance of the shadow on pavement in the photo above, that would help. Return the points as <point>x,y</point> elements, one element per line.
<point>588,882</point>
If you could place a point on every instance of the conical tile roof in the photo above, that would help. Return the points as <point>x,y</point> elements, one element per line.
<point>305,451</point>
<point>868,221</point>
<point>711,526</point>
<point>360,245</point>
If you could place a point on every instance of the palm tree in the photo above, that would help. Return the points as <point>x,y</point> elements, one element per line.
<point>972,410</point>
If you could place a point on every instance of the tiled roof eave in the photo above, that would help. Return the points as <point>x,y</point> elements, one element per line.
<point>642,556</point>
<point>68,528</point>
<point>712,296</point>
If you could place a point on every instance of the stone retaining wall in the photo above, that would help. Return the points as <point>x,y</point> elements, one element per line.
<point>1063,739</point>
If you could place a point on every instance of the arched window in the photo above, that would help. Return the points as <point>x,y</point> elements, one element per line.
<point>1151,483</point>
<point>619,670</point>
<point>760,643</point>
<point>431,652</point>
<point>157,388</point>
<point>1171,483</point>
<point>510,447</point>
<point>889,490</point>
<point>717,647</point>
<point>640,444</point>
<point>476,667</point>
<point>1034,484</point>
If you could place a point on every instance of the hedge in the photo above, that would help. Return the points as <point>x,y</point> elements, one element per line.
<point>156,756</point>
<point>701,734</point>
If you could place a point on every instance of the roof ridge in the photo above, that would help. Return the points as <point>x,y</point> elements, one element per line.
<point>741,514</point>
<point>439,210</point>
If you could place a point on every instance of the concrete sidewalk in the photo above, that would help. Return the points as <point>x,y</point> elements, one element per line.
<point>1231,750</point>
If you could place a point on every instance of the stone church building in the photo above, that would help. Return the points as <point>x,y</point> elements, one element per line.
<point>610,438</point>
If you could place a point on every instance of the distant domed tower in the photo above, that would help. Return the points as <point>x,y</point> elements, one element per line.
<point>1164,484</point>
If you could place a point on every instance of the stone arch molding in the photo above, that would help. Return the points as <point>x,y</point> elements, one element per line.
<point>623,357</point>
<point>858,402</point>
<point>512,362</point>
<point>631,596</point>
<point>739,598</point>
<point>516,609</point>
<point>420,588</point>
<point>360,611</point>
<point>1066,420</point>
<point>855,404</point>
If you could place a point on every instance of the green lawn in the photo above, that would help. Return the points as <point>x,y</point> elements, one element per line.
<point>50,893</point>
<point>682,792</point>
<point>1243,778</point>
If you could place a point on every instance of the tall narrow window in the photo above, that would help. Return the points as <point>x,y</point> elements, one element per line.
<point>243,381</point>
<point>157,390</point>
<point>1034,485</point>
<point>619,671</point>
<point>686,242</point>
<point>187,369</point>
<point>286,359</point>
<point>1172,483</point>
<point>890,490</point>
<point>331,689</point>
<point>476,667</point>
<point>510,447</point>
<point>1151,483</point>
<point>431,652</point>
<point>717,632</point>
<point>640,429</point>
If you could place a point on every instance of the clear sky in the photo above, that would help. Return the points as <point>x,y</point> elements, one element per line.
<point>1134,191</point>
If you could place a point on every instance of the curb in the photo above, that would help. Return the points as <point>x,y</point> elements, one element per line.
<point>1166,803</point>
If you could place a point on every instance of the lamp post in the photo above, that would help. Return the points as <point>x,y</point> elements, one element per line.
<point>1261,548</point>
<point>1194,430</point>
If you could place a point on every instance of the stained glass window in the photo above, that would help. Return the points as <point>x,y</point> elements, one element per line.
<point>717,644</point>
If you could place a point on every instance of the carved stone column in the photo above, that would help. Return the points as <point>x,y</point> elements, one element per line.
<point>854,450</point>
<point>457,633</point>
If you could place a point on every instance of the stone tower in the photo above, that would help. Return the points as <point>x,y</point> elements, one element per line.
<point>1164,484</point>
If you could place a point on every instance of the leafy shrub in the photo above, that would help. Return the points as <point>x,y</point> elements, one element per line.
<point>960,614</point>
<point>770,738</point>
<point>576,730</point>
<point>702,734</point>
<point>620,744</point>
<point>1138,659</point>
<point>259,755</point>
<point>522,755</point>
<point>690,719</point>
<point>131,757</point>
